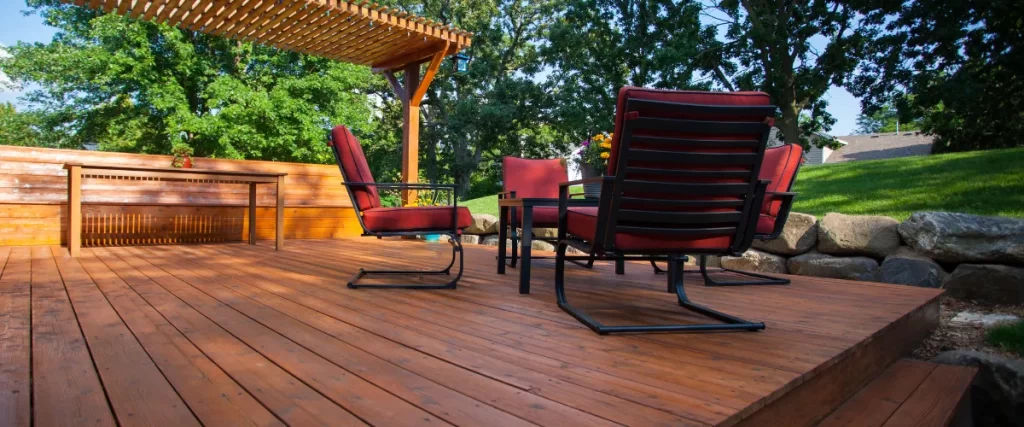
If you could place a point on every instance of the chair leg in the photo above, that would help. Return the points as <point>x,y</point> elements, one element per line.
<point>675,279</point>
<point>456,250</point>
<point>658,270</point>
<point>765,279</point>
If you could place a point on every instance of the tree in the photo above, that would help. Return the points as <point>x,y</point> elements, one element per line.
<point>885,120</point>
<point>597,46</point>
<point>771,47</point>
<point>136,86</point>
<point>963,60</point>
<point>17,128</point>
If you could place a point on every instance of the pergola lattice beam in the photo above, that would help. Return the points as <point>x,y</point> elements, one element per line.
<point>364,34</point>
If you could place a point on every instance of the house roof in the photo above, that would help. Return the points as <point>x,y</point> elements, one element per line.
<point>881,146</point>
<point>365,34</point>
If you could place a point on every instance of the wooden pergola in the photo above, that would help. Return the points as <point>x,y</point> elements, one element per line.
<point>360,33</point>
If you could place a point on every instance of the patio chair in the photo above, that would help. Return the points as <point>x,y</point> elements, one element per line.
<point>683,178</point>
<point>379,221</point>
<point>535,179</point>
<point>780,167</point>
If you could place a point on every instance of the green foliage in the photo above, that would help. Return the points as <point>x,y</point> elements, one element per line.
<point>1009,337</point>
<point>17,128</point>
<point>980,182</point>
<point>885,120</point>
<point>963,60</point>
<point>768,46</point>
<point>141,87</point>
<point>596,47</point>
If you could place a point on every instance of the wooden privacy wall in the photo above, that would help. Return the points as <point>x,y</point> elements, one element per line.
<point>33,202</point>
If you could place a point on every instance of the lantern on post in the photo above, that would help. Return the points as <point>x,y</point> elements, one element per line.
<point>461,63</point>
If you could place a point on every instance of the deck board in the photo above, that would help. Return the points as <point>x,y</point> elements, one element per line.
<point>242,335</point>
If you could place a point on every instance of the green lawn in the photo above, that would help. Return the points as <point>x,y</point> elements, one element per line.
<point>979,182</point>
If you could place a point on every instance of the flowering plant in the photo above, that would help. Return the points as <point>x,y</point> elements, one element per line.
<point>595,152</point>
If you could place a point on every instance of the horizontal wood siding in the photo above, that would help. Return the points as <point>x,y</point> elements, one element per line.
<point>33,202</point>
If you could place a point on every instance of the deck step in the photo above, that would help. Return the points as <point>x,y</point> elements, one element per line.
<point>909,393</point>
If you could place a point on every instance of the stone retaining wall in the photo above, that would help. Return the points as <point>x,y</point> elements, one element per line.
<point>973,257</point>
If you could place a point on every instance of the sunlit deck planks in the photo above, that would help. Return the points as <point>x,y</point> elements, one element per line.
<point>239,335</point>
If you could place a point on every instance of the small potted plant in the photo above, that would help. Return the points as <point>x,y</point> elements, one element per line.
<point>182,156</point>
<point>593,161</point>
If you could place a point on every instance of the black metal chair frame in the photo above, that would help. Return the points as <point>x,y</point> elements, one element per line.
<point>741,225</point>
<point>452,234</point>
<point>780,224</point>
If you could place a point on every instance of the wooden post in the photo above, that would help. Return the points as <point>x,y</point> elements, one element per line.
<point>410,131</point>
<point>279,224</point>
<point>252,213</point>
<point>74,209</point>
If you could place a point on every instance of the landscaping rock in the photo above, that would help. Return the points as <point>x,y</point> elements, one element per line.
<point>958,238</point>
<point>970,318</point>
<point>997,394</point>
<point>822,265</point>
<point>492,240</point>
<point>547,233</point>
<point>483,224</point>
<point>989,283</point>
<point>906,267</point>
<point>799,236</point>
<point>871,235</point>
<point>540,245</point>
<point>756,261</point>
<point>471,239</point>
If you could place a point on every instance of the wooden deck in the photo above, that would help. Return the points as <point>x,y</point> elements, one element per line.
<point>233,334</point>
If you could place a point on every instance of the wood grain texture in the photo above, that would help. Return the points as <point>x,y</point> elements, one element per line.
<point>15,337</point>
<point>34,195</point>
<point>876,402</point>
<point>936,401</point>
<point>246,335</point>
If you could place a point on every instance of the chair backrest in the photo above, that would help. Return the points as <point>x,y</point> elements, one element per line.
<point>686,167</point>
<point>780,166</point>
<point>349,155</point>
<point>533,177</point>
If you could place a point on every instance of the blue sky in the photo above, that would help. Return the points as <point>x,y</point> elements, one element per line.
<point>15,27</point>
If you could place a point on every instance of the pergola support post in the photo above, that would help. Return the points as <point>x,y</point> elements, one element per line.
<point>410,131</point>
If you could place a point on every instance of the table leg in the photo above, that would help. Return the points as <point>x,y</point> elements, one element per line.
<point>524,254</point>
<point>279,232</point>
<point>74,210</point>
<point>620,266</point>
<point>252,213</point>
<point>514,229</point>
<point>502,235</point>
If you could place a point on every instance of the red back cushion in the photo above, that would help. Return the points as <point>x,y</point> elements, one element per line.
<point>355,168</point>
<point>533,177</point>
<point>779,166</point>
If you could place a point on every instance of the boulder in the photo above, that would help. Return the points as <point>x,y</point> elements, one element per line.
<point>870,235</point>
<point>540,245</point>
<point>546,233</point>
<point>990,283</point>
<point>985,320</point>
<point>799,236</point>
<point>756,261</point>
<point>822,265</point>
<point>959,238</point>
<point>997,393</point>
<point>906,267</point>
<point>471,239</point>
<point>483,224</point>
<point>492,240</point>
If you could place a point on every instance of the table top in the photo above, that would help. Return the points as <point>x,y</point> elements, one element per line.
<point>541,201</point>
<point>185,174</point>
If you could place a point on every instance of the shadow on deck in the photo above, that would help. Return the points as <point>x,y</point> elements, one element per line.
<point>240,335</point>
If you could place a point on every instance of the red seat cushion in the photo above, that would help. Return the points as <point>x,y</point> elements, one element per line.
<point>543,216</point>
<point>765,224</point>
<point>355,168</point>
<point>421,218</point>
<point>582,223</point>
<point>779,166</point>
<point>537,178</point>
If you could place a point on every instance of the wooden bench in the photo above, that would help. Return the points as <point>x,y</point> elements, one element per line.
<point>910,393</point>
<point>77,171</point>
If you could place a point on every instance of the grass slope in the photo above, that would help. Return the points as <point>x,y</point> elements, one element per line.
<point>978,182</point>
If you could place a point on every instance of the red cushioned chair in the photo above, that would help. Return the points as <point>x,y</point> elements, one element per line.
<point>683,178</point>
<point>536,179</point>
<point>379,221</point>
<point>780,167</point>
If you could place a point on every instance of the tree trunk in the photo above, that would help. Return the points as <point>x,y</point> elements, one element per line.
<point>789,124</point>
